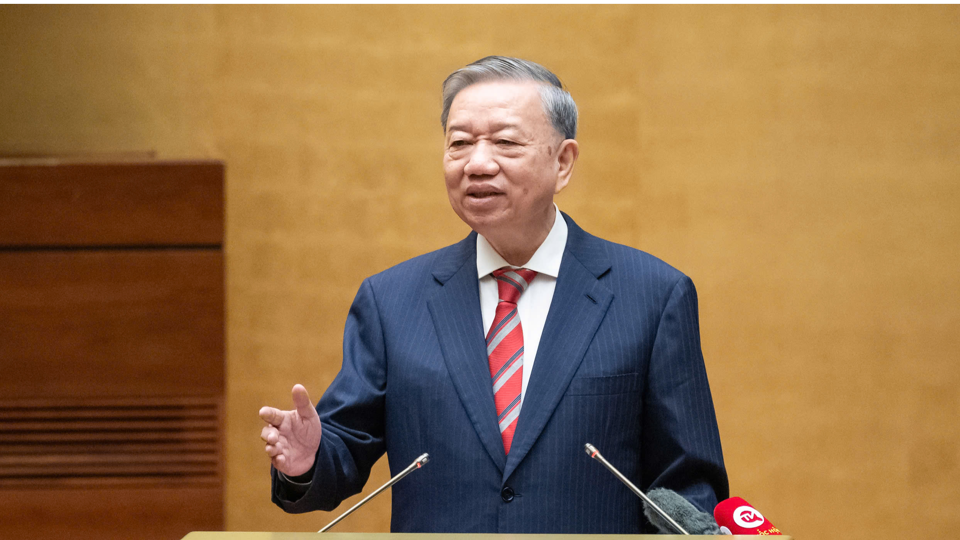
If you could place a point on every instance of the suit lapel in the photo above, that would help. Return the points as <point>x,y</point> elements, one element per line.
<point>579,304</point>
<point>455,308</point>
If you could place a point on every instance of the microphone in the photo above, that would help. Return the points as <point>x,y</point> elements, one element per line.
<point>674,504</point>
<point>736,516</point>
<point>595,454</point>
<point>417,463</point>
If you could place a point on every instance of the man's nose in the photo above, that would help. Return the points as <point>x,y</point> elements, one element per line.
<point>482,161</point>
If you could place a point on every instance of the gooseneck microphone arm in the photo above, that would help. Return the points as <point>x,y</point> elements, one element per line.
<point>595,454</point>
<point>417,463</point>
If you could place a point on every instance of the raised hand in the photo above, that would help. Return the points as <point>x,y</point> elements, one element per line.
<point>292,437</point>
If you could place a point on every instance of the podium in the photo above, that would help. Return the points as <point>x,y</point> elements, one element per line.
<point>440,536</point>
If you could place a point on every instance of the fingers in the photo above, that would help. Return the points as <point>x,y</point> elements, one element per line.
<point>273,450</point>
<point>270,435</point>
<point>279,447</point>
<point>271,415</point>
<point>302,402</point>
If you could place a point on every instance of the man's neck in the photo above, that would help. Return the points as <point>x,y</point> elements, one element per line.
<point>518,249</point>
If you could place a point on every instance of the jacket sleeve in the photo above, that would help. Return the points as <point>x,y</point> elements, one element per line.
<point>681,440</point>
<point>351,414</point>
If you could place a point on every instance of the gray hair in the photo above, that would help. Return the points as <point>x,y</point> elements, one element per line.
<point>557,102</point>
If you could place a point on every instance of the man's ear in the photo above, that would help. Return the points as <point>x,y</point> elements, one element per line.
<point>567,156</point>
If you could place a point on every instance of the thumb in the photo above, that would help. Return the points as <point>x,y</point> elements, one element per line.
<point>301,400</point>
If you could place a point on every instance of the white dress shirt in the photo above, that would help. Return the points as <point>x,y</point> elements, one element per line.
<point>534,303</point>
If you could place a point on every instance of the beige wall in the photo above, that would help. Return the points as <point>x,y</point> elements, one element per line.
<point>800,163</point>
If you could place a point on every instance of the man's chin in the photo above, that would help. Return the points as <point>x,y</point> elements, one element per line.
<point>486,205</point>
<point>482,218</point>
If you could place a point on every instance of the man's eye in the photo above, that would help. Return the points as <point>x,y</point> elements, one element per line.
<point>506,142</point>
<point>457,144</point>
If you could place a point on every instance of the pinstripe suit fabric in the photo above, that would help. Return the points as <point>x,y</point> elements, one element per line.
<point>619,366</point>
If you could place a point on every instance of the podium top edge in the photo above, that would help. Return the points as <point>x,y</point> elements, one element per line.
<point>437,536</point>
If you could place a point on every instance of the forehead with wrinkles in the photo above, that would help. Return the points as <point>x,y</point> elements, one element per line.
<point>499,105</point>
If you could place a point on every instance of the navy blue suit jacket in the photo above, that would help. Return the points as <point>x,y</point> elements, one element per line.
<point>619,366</point>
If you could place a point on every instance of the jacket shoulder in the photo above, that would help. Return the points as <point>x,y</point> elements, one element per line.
<point>624,263</point>
<point>633,261</point>
<point>422,268</point>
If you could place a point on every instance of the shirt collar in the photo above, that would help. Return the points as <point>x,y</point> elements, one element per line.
<point>546,260</point>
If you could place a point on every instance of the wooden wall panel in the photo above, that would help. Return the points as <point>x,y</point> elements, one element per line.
<point>61,442</point>
<point>54,203</point>
<point>111,348</point>
<point>111,322</point>
<point>119,512</point>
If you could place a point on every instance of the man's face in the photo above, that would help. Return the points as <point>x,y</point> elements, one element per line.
<point>503,161</point>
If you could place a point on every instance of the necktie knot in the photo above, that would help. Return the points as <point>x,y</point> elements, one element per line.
<point>511,282</point>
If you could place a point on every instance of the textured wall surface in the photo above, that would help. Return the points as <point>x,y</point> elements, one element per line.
<point>801,164</point>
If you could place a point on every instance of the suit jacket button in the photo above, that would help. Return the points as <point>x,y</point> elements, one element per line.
<point>507,494</point>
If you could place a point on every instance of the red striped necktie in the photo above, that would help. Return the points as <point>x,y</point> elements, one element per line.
<point>505,349</point>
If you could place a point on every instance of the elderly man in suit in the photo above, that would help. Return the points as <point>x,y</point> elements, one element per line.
<point>503,354</point>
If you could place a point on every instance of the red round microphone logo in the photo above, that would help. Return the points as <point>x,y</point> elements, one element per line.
<point>738,517</point>
<point>747,517</point>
